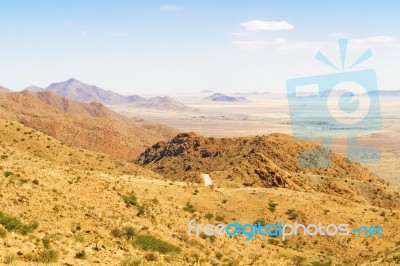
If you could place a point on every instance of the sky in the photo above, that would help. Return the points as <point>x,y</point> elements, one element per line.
<point>142,47</point>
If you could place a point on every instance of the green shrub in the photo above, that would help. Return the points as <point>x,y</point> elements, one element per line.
<point>148,242</point>
<point>292,214</point>
<point>46,243</point>
<point>272,206</point>
<point>47,256</point>
<point>13,224</point>
<point>8,173</point>
<point>189,208</point>
<point>209,215</point>
<point>273,241</point>
<point>219,218</point>
<point>130,262</point>
<point>218,255</point>
<point>131,199</point>
<point>396,258</point>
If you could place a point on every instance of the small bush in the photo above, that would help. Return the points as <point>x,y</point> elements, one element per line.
<point>47,256</point>
<point>8,173</point>
<point>261,221</point>
<point>298,260</point>
<point>13,224</point>
<point>273,241</point>
<point>218,255</point>
<point>209,215</point>
<point>396,258</point>
<point>148,242</point>
<point>46,243</point>
<point>116,232</point>
<point>219,218</point>
<point>130,262</point>
<point>80,255</point>
<point>292,214</point>
<point>3,232</point>
<point>130,199</point>
<point>272,206</point>
<point>189,208</point>
<point>151,257</point>
<point>128,232</point>
<point>141,209</point>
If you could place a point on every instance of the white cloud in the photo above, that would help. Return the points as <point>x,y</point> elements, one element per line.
<point>260,25</point>
<point>381,39</point>
<point>170,7</point>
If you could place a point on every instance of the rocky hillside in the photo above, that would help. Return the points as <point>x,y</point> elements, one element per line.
<point>86,125</point>
<point>62,205</point>
<point>264,161</point>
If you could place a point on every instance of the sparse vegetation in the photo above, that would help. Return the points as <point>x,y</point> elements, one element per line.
<point>8,173</point>
<point>13,224</point>
<point>189,208</point>
<point>47,256</point>
<point>261,221</point>
<point>219,218</point>
<point>292,214</point>
<point>272,206</point>
<point>208,215</point>
<point>151,256</point>
<point>151,243</point>
<point>130,262</point>
<point>131,199</point>
<point>318,263</point>
<point>273,241</point>
<point>80,255</point>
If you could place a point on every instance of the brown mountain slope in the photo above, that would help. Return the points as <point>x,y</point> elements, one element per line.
<point>87,125</point>
<point>266,161</point>
<point>4,89</point>
<point>83,216</point>
<point>35,144</point>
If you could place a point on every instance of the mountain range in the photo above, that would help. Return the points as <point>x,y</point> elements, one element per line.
<point>86,125</point>
<point>79,91</point>
<point>219,97</point>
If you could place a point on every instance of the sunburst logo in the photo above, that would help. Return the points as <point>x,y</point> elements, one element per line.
<point>335,105</point>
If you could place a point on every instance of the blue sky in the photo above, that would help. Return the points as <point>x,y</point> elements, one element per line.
<point>187,46</point>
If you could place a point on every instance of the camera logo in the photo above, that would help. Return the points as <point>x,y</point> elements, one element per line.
<point>335,105</point>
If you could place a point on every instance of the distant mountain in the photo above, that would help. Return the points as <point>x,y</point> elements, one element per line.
<point>385,93</point>
<point>79,91</point>
<point>4,89</point>
<point>164,103</point>
<point>86,125</point>
<point>33,89</point>
<point>219,97</point>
